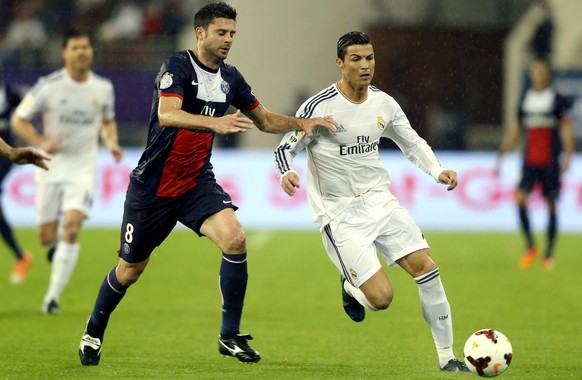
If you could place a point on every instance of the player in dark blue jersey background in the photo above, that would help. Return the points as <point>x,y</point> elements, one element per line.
<point>548,149</point>
<point>9,100</point>
<point>174,180</point>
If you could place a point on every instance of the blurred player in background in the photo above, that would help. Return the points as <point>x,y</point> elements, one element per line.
<point>349,194</point>
<point>174,180</point>
<point>9,100</point>
<point>542,118</point>
<point>76,106</point>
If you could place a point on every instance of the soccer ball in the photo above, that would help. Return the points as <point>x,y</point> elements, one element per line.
<point>488,353</point>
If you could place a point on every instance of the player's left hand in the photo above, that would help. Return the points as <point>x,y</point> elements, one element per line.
<point>29,156</point>
<point>449,177</point>
<point>289,183</point>
<point>117,153</point>
<point>327,122</point>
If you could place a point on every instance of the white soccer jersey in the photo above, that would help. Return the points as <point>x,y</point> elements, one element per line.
<point>73,113</point>
<point>347,165</point>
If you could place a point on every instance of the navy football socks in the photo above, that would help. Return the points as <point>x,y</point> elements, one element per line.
<point>110,294</point>
<point>233,285</point>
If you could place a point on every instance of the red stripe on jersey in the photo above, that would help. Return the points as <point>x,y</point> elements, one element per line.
<point>188,156</point>
<point>172,94</point>
<point>255,105</point>
<point>539,147</point>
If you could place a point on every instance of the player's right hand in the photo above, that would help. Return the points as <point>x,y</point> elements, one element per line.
<point>234,123</point>
<point>328,122</point>
<point>29,156</point>
<point>290,182</point>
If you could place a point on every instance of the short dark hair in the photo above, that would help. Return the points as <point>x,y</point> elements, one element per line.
<point>209,12</point>
<point>74,33</point>
<point>349,39</point>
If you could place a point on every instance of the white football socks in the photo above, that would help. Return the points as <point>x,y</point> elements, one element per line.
<point>63,264</point>
<point>437,313</point>
<point>358,295</point>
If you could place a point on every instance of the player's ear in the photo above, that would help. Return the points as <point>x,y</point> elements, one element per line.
<point>200,32</point>
<point>340,63</point>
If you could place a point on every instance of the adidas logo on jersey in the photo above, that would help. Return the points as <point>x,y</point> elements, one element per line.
<point>340,129</point>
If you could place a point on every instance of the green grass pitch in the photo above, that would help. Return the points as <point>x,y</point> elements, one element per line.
<point>168,323</point>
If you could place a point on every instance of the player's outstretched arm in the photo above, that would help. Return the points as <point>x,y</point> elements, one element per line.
<point>271,122</point>
<point>171,115</point>
<point>23,155</point>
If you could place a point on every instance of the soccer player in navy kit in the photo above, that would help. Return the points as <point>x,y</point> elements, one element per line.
<point>174,180</point>
<point>542,117</point>
<point>9,100</point>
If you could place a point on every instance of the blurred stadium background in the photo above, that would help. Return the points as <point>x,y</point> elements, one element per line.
<point>457,67</point>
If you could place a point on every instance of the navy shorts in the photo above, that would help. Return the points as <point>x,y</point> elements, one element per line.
<point>548,177</point>
<point>149,219</point>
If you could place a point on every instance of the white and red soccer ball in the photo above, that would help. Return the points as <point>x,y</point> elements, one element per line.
<point>488,353</point>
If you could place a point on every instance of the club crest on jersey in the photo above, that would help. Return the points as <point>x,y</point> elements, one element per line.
<point>95,102</point>
<point>381,123</point>
<point>353,273</point>
<point>166,80</point>
<point>225,87</point>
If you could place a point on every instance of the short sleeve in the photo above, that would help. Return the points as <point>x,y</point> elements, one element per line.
<point>34,101</point>
<point>563,105</point>
<point>172,77</point>
<point>244,99</point>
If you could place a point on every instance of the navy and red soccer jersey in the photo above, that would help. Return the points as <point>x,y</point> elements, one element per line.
<point>175,160</point>
<point>540,114</point>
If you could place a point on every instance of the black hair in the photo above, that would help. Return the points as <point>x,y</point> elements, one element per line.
<point>209,12</point>
<point>74,33</point>
<point>349,39</point>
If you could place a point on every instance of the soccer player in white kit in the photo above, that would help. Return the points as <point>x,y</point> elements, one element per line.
<point>76,107</point>
<point>349,194</point>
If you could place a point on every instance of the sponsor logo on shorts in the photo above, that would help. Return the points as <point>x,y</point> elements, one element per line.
<point>126,249</point>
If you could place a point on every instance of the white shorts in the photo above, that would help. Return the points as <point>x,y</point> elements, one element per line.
<point>373,223</point>
<point>53,199</point>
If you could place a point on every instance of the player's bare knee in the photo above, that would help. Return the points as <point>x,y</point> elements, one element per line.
<point>234,243</point>
<point>46,239</point>
<point>47,236</point>
<point>381,298</point>
<point>128,273</point>
<point>382,301</point>
<point>129,276</point>
<point>70,231</point>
